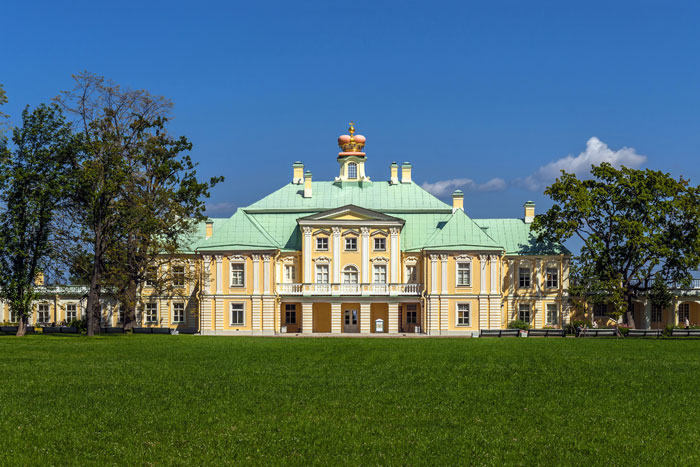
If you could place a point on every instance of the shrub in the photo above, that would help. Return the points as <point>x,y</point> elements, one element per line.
<point>80,324</point>
<point>519,324</point>
<point>571,327</point>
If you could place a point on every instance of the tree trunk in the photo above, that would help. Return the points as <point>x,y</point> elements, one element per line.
<point>93,301</point>
<point>22,325</point>
<point>130,305</point>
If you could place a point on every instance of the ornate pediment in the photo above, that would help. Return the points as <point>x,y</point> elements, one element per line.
<point>351,215</point>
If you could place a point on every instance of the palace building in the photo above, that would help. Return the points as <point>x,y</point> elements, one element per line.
<point>350,255</point>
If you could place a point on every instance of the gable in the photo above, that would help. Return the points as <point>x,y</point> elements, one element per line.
<point>350,215</point>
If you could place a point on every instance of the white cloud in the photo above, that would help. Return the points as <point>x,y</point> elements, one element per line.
<point>445,187</point>
<point>224,208</point>
<point>595,153</point>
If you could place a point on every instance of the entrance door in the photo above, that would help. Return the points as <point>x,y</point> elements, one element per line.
<point>350,321</point>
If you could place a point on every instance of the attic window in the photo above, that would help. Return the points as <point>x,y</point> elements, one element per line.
<point>352,170</point>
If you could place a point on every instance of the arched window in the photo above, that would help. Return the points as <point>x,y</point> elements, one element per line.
<point>350,275</point>
<point>352,170</point>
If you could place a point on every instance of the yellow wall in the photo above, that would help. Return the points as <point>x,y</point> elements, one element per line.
<point>322,317</point>
<point>379,310</point>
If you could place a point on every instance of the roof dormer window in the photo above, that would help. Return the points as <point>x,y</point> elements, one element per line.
<point>352,170</point>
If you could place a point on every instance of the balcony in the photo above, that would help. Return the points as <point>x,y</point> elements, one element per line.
<point>350,289</point>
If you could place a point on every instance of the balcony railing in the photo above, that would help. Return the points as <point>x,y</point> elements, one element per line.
<point>694,285</point>
<point>349,289</point>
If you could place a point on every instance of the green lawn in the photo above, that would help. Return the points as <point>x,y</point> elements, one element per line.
<point>211,400</point>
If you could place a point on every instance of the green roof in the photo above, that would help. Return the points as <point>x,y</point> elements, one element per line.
<point>190,242</point>
<point>378,196</point>
<point>517,238</point>
<point>459,232</point>
<point>240,232</point>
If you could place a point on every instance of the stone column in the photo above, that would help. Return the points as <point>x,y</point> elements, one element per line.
<point>207,274</point>
<point>219,274</point>
<point>336,318</point>
<point>365,255</point>
<point>433,273</point>
<point>307,318</point>
<point>266,274</point>
<point>443,273</point>
<point>482,277</point>
<point>256,274</point>
<point>336,255</point>
<point>307,254</point>
<point>394,255</point>
<point>393,318</point>
<point>365,318</point>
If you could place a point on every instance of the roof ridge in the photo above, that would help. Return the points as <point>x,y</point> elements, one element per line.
<point>262,230</point>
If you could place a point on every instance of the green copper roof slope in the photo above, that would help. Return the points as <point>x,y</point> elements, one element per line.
<point>378,196</point>
<point>459,232</point>
<point>517,238</point>
<point>189,242</point>
<point>238,233</point>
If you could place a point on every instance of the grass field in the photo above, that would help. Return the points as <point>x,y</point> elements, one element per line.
<point>212,400</point>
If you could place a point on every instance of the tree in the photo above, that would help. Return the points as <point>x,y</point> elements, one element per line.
<point>637,227</point>
<point>36,176</point>
<point>163,201</point>
<point>106,115</point>
<point>3,116</point>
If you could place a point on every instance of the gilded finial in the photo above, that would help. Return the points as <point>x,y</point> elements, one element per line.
<point>352,130</point>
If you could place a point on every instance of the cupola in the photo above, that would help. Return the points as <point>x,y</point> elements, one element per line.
<point>351,158</point>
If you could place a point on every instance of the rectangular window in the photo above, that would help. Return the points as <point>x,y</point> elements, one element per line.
<point>322,274</point>
<point>380,274</point>
<point>411,314</point>
<point>552,278</point>
<point>71,312</point>
<point>321,243</point>
<point>179,276</point>
<point>600,309</point>
<point>524,313</point>
<point>552,318</point>
<point>178,312</point>
<point>120,314</point>
<point>352,170</point>
<point>43,313</point>
<point>237,275</point>
<point>237,314</point>
<point>463,317</point>
<point>290,313</point>
<point>380,244</point>
<point>656,314</point>
<point>351,244</point>
<point>683,313</point>
<point>289,274</point>
<point>151,313</point>
<point>411,274</point>
<point>151,276</point>
<point>464,274</point>
<point>13,317</point>
<point>524,277</point>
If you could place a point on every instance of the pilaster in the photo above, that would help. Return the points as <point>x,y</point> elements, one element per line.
<point>443,273</point>
<point>433,274</point>
<point>219,314</point>
<point>266,274</point>
<point>307,318</point>
<point>393,317</point>
<point>483,312</point>
<point>365,254</point>
<point>394,256</point>
<point>336,318</point>
<point>365,318</point>
<point>219,274</point>
<point>336,255</point>
<point>256,274</point>
<point>256,314</point>
<point>307,254</point>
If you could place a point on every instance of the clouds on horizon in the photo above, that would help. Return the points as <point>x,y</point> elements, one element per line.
<point>446,187</point>
<point>596,152</point>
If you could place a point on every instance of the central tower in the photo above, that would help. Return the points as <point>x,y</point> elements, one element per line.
<point>351,158</point>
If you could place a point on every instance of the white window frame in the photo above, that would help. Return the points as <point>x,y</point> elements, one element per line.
<point>520,277</point>
<point>242,309</point>
<point>413,310</point>
<point>327,243</point>
<point>75,310</point>
<point>458,311</point>
<point>469,272</point>
<point>179,278</point>
<point>529,312</point>
<point>554,280</point>
<point>683,312</point>
<point>245,273</point>
<point>352,165</point>
<point>290,308</point>
<point>374,244</point>
<point>151,279</point>
<point>290,278</point>
<point>184,313</point>
<point>327,268</point>
<point>345,243</point>
<point>147,312</point>
<point>547,317</point>
<point>120,314</point>
<point>351,270</point>
<point>39,308</point>
<point>377,268</point>
<point>408,276</point>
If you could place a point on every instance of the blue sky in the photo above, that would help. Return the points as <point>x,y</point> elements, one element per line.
<point>489,97</point>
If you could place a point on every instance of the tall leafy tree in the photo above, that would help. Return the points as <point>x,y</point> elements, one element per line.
<point>107,117</point>
<point>162,203</point>
<point>638,228</point>
<point>36,176</point>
